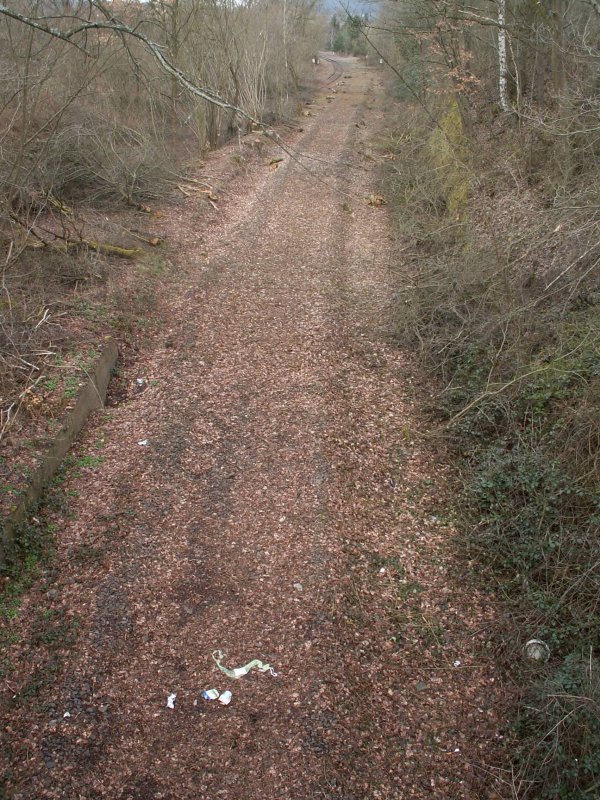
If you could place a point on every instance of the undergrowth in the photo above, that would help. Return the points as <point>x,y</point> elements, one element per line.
<point>499,292</point>
<point>30,560</point>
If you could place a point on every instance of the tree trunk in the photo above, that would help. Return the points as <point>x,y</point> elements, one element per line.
<point>502,60</point>
<point>174,53</point>
<point>557,55</point>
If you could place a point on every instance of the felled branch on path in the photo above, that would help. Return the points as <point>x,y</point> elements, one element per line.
<point>68,244</point>
<point>130,253</point>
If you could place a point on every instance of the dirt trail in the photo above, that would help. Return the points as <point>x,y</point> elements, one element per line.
<point>284,508</point>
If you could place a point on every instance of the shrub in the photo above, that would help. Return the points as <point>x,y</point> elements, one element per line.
<point>498,292</point>
<point>561,714</point>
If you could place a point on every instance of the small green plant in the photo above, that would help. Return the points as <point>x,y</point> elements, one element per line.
<point>71,387</point>
<point>87,361</point>
<point>31,546</point>
<point>51,384</point>
<point>42,678</point>
<point>89,462</point>
<point>52,629</point>
<point>155,265</point>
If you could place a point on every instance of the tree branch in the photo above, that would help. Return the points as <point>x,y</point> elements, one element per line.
<point>111,23</point>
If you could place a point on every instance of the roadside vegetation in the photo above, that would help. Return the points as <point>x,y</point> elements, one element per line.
<point>494,182</point>
<point>106,109</point>
<point>106,112</point>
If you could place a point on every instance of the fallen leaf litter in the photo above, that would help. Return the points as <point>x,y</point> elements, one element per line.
<point>277,411</point>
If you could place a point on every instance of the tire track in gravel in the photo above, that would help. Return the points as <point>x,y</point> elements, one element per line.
<point>284,451</point>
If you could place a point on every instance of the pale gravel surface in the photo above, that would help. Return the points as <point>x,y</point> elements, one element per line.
<point>284,448</point>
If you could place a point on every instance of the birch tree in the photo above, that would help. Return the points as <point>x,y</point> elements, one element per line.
<point>502,59</point>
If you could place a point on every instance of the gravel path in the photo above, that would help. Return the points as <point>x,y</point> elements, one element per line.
<point>286,507</point>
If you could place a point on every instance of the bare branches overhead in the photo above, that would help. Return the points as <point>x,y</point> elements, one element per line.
<point>114,25</point>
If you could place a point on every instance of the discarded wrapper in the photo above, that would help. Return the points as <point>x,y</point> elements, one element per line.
<point>225,698</point>
<point>239,672</point>
<point>143,442</point>
<point>171,701</point>
<point>210,694</point>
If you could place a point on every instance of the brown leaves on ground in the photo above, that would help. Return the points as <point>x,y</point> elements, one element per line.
<point>375,200</point>
<point>285,449</point>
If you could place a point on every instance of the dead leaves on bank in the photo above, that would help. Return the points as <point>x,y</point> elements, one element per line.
<point>153,241</point>
<point>375,200</point>
<point>189,190</point>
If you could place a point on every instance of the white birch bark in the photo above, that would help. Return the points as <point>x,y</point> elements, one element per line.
<point>285,50</point>
<point>502,59</point>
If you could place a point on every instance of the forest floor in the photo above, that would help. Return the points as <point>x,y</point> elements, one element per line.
<point>286,504</point>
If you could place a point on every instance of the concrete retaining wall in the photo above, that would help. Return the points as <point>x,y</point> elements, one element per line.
<point>91,395</point>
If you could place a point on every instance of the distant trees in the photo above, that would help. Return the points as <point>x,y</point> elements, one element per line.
<point>521,51</point>
<point>96,99</point>
<point>347,34</point>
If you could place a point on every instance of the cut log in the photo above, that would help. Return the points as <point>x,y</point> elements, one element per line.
<point>62,242</point>
<point>130,253</point>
